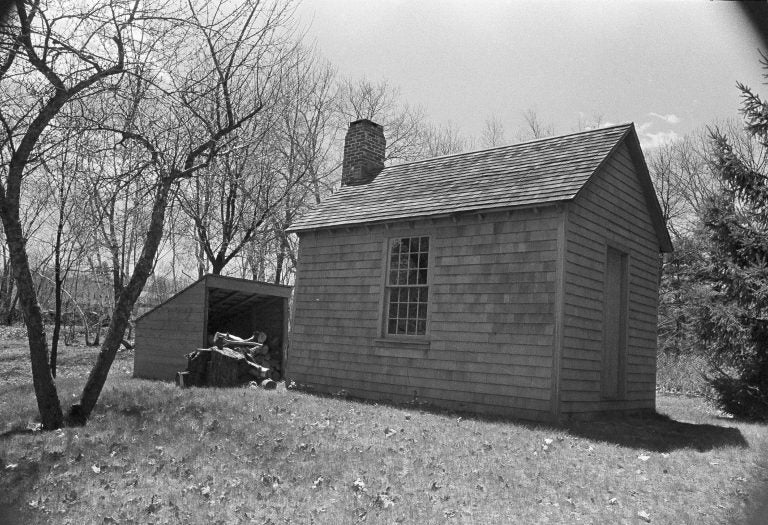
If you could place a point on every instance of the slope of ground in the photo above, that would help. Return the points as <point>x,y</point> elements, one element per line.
<point>156,454</point>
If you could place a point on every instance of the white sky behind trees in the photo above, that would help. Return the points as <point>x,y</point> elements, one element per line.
<point>670,67</point>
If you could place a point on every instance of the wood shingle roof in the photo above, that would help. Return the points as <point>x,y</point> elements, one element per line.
<point>528,174</point>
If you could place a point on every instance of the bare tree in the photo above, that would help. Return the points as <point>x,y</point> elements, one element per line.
<point>534,128</point>
<point>381,103</point>
<point>166,82</point>
<point>493,133</point>
<point>306,142</point>
<point>231,74</point>
<point>585,123</point>
<point>69,230</point>
<point>443,140</point>
<point>51,54</point>
<point>232,202</point>
<point>684,177</point>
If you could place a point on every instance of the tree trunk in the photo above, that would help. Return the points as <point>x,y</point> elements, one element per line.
<point>200,257</point>
<point>45,387</point>
<point>56,320</point>
<point>80,412</point>
<point>217,264</point>
<point>6,291</point>
<point>279,264</point>
<point>58,283</point>
<point>281,258</point>
<point>9,314</point>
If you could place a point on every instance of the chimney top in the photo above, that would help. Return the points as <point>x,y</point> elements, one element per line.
<point>364,149</point>
<point>365,121</point>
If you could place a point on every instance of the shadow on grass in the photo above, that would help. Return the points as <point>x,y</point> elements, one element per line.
<point>658,433</point>
<point>14,485</point>
<point>15,431</point>
<point>649,431</point>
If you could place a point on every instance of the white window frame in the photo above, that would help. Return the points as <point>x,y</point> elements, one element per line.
<point>390,287</point>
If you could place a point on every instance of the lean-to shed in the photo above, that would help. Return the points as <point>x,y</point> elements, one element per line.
<point>183,323</point>
<point>520,280</point>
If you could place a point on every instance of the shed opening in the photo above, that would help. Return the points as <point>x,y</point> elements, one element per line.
<point>243,314</point>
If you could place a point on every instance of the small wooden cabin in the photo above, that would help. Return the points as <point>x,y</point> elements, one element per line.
<point>519,281</point>
<point>183,323</point>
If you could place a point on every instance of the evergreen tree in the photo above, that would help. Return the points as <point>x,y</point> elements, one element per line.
<point>733,324</point>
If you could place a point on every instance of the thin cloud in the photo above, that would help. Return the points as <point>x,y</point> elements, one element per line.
<point>654,140</point>
<point>641,128</point>
<point>670,119</point>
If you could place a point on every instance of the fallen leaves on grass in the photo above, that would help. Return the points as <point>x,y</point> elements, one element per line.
<point>384,500</point>
<point>270,480</point>
<point>153,507</point>
<point>358,485</point>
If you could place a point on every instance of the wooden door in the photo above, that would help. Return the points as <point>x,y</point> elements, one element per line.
<point>615,324</point>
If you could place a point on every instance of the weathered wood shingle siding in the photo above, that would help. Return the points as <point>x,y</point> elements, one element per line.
<point>610,209</point>
<point>165,335</point>
<point>491,314</point>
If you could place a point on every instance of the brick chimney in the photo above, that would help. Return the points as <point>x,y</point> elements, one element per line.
<point>364,148</point>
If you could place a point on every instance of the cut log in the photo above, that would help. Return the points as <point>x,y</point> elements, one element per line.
<point>260,350</point>
<point>222,339</point>
<point>197,366</point>
<point>259,372</point>
<point>226,367</point>
<point>182,379</point>
<point>268,384</point>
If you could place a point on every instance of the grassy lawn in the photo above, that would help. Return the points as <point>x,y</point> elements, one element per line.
<point>156,454</point>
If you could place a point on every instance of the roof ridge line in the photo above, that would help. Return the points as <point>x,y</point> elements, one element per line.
<point>532,141</point>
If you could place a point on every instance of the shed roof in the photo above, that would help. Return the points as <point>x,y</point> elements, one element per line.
<point>231,294</point>
<point>532,173</point>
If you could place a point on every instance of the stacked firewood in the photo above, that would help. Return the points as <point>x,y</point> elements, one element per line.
<point>233,361</point>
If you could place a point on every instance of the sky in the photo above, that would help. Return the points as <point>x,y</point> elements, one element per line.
<point>669,67</point>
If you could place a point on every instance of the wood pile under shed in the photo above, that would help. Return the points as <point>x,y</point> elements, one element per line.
<point>233,361</point>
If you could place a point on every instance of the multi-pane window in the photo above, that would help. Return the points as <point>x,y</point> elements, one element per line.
<point>407,286</point>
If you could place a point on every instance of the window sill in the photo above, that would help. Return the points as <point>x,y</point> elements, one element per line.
<point>400,348</point>
<point>399,342</point>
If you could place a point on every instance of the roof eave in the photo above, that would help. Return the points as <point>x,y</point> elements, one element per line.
<point>433,216</point>
<point>652,201</point>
